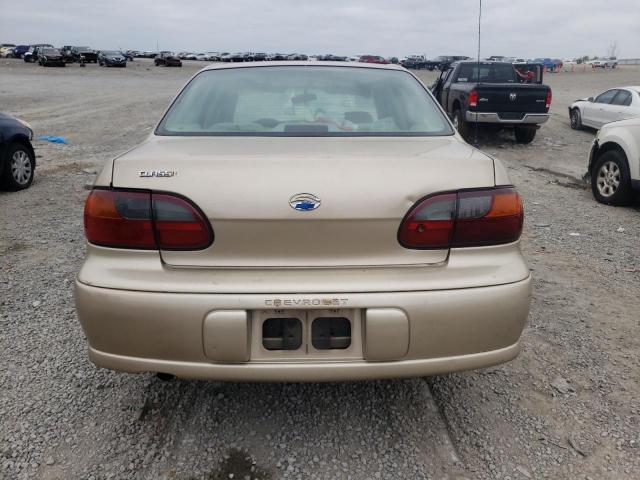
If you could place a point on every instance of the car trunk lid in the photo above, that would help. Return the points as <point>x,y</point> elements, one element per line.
<point>244,186</point>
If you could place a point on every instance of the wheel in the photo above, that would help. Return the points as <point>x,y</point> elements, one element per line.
<point>610,182</point>
<point>525,134</point>
<point>576,119</point>
<point>461,125</point>
<point>18,168</point>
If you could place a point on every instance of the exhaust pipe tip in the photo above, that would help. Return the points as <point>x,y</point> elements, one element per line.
<point>165,377</point>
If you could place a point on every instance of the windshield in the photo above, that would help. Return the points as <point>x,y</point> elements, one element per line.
<point>111,52</point>
<point>83,49</point>
<point>50,51</point>
<point>489,73</point>
<point>304,100</point>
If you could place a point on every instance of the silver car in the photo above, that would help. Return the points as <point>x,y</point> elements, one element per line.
<point>612,105</point>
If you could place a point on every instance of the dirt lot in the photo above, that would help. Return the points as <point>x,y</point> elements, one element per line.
<point>568,407</point>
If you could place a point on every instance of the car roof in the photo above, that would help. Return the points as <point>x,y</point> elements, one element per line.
<point>299,63</point>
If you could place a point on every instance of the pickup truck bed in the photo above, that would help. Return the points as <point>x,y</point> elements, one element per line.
<point>500,96</point>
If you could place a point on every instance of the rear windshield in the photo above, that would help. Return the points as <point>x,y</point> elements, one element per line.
<point>489,73</point>
<point>304,101</point>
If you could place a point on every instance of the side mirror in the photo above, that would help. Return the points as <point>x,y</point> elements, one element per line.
<point>590,99</point>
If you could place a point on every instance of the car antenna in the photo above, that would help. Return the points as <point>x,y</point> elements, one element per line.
<point>475,139</point>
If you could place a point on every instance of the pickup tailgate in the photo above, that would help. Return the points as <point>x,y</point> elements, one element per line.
<point>509,97</point>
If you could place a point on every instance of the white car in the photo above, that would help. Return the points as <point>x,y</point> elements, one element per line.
<point>610,106</point>
<point>605,63</point>
<point>614,162</point>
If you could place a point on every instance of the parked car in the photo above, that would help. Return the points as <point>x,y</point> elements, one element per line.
<point>276,57</point>
<point>111,58</point>
<point>605,63</point>
<point>48,57</point>
<point>17,158</point>
<point>404,289</point>
<point>493,94</point>
<point>20,50</point>
<point>190,56</point>
<point>67,54</point>
<point>89,55</point>
<point>414,62</point>
<point>6,49</point>
<point>547,63</point>
<point>610,106</point>
<point>31,55</point>
<point>295,56</point>
<point>373,59</point>
<point>442,62</point>
<point>332,58</point>
<point>168,59</point>
<point>614,162</point>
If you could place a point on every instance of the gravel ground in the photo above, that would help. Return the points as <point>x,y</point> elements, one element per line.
<point>568,407</point>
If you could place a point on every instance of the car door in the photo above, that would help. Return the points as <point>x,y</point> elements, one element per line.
<point>620,106</point>
<point>446,89</point>
<point>598,112</point>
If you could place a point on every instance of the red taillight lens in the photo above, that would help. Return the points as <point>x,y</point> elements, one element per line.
<point>548,102</point>
<point>144,220</point>
<point>464,219</point>
<point>430,224</point>
<point>119,219</point>
<point>178,225</point>
<point>473,99</point>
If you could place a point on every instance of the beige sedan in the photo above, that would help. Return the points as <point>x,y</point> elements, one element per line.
<point>303,221</point>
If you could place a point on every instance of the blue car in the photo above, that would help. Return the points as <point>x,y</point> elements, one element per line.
<point>547,63</point>
<point>20,50</point>
<point>17,158</point>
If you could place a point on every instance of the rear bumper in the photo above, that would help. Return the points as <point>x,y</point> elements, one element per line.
<point>444,331</point>
<point>307,372</point>
<point>488,117</point>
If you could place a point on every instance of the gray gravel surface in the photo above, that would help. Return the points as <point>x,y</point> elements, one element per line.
<point>568,407</point>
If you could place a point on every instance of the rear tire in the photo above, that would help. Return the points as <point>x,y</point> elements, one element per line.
<point>610,179</point>
<point>461,125</point>
<point>576,119</point>
<point>19,167</point>
<point>525,135</point>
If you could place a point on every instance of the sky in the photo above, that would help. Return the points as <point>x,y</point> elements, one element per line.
<point>521,28</point>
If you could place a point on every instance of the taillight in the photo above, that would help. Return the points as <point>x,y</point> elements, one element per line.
<point>468,218</point>
<point>144,220</point>
<point>473,98</point>
<point>178,225</point>
<point>548,102</point>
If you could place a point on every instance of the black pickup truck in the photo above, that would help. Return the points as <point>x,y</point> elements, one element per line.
<point>494,93</point>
